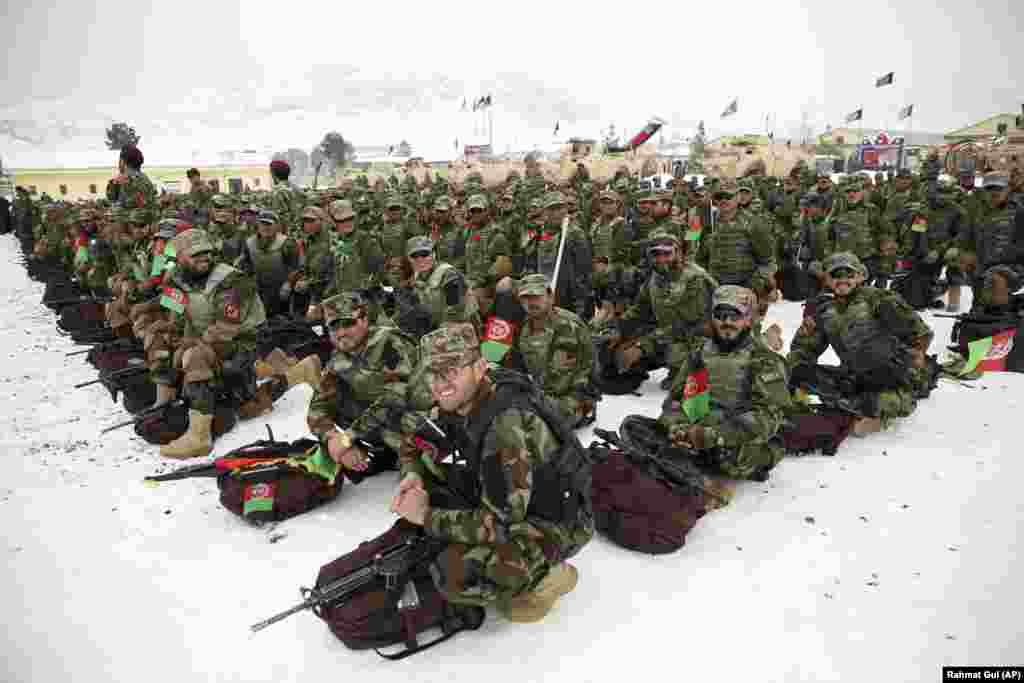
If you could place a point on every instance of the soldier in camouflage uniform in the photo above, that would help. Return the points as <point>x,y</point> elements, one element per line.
<point>675,302</point>
<point>501,550</point>
<point>211,336</point>
<point>881,343</point>
<point>991,250</point>
<point>730,398</point>
<point>858,227</point>
<point>286,201</point>
<point>741,251</point>
<point>358,258</point>
<point>393,232</point>
<point>448,238</point>
<point>273,258</point>
<point>895,247</point>
<point>606,231</point>
<point>198,199</point>
<point>317,260</point>
<point>434,295</point>
<point>936,223</point>
<point>488,254</point>
<point>556,347</point>
<point>573,289</point>
<point>357,409</point>
<point>228,237</point>
<point>132,189</point>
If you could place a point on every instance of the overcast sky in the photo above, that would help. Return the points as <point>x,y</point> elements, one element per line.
<point>199,78</point>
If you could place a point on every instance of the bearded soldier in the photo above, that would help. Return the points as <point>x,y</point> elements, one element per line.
<point>357,257</point>
<point>272,257</point>
<point>730,398</point>
<point>992,249</point>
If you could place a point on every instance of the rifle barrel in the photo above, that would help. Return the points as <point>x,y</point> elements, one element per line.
<point>307,604</point>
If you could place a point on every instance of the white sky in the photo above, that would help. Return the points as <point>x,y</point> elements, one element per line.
<point>196,78</point>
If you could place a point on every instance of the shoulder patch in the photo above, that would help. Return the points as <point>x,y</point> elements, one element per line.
<point>232,306</point>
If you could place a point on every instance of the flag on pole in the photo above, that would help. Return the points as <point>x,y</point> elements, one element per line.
<point>463,104</point>
<point>556,128</point>
<point>732,108</point>
<point>485,101</point>
<point>855,116</point>
<point>906,112</point>
<point>989,354</point>
<point>884,80</point>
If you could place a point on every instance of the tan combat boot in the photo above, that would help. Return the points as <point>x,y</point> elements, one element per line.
<point>534,605</point>
<point>306,371</point>
<point>275,363</point>
<point>165,393</point>
<point>195,443</point>
<point>867,425</point>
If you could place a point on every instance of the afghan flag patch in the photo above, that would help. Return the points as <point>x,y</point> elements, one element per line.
<point>258,498</point>
<point>174,299</point>
<point>694,227</point>
<point>497,340</point>
<point>989,354</point>
<point>697,395</point>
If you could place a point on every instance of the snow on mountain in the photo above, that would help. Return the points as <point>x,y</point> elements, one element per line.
<point>900,555</point>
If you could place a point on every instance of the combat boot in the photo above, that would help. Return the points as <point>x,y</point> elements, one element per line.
<point>306,371</point>
<point>261,404</point>
<point>534,605</point>
<point>165,393</point>
<point>867,425</point>
<point>275,363</point>
<point>195,443</point>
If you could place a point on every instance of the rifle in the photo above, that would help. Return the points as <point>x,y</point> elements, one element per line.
<point>120,344</point>
<point>147,413</point>
<point>258,458</point>
<point>70,301</point>
<point>682,473</point>
<point>117,374</point>
<point>390,564</point>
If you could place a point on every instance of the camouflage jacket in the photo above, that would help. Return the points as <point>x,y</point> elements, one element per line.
<point>847,325</point>
<point>365,391</point>
<point>134,191</point>
<point>288,203</point>
<point>740,252</point>
<point>573,291</point>
<point>223,311</point>
<point>357,263</point>
<point>482,248</point>
<point>514,444</point>
<point>559,353</point>
<point>749,396</point>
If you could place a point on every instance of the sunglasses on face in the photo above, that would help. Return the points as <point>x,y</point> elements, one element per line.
<point>662,250</point>
<point>843,274</point>
<point>476,212</point>
<point>725,314</point>
<point>419,254</point>
<point>342,323</point>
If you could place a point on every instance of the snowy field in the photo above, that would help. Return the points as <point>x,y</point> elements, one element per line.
<point>898,556</point>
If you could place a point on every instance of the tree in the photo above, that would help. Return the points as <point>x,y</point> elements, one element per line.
<point>120,135</point>
<point>695,164</point>
<point>337,149</point>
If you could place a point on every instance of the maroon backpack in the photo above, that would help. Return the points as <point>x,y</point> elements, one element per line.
<point>638,511</point>
<point>388,602</point>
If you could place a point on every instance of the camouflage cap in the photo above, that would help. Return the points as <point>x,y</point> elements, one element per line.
<point>341,209</point>
<point>727,187</point>
<point>267,217</point>
<point>221,201</point>
<point>537,204</point>
<point>394,200</point>
<point>193,242</point>
<point>442,204</point>
<point>745,185</point>
<point>477,201</point>
<point>843,259</point>
<point>419,244</point>
<point>662,238</point>
<point>552,199</point>
<point>135,216</point>
<point>534,284</point>
<point>736,297</point>
<point>342,306</point>
<point>314,212</point>
<point>610,195</point>
<point>452,346</point>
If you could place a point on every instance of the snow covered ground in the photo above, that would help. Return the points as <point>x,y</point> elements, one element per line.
<point>898,556</point>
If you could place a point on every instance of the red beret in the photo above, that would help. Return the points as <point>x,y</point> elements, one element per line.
<point>132,156</point>
<point>280,165</point>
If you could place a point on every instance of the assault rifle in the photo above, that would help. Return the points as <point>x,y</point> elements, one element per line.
<point>120,344</point>
<point>70,301</point>
<point>112,377</point>
<point>390,564</point>
<point>149,412</point>
<point>681,473</point>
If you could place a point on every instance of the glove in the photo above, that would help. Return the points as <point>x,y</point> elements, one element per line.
<point>286,291</point>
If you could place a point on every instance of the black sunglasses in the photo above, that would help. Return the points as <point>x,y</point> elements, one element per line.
<point>726,314</point>
<point>843,273</point>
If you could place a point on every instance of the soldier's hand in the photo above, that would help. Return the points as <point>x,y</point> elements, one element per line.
<point>302,285</point>
<point>773,337</point>
<point>314,313</point>
<point>807,327</point>
<point>409,482</point>
<point>887,247</point>
<point>353,458</point>
<point>695,437</point>
<point>413,506</point>
<point>629,357</point>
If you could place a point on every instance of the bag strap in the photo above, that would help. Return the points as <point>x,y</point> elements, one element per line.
<point>456,619</point>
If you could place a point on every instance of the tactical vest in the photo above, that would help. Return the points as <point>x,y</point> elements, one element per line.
<point>995,239</point>
<point>729,376</point>
<point>943,222</point>
<point>430,293</point>
<point>852,328</point>
<point>561,486</point>
<point>271,270</point>
<point>201,313</point>
<point>851,231</point>
<point>392,239</point>
<point>674,302</point>
<point>478,262</point>
<point>362,385</point>
<point>601,237</point>
<point>731,260</point>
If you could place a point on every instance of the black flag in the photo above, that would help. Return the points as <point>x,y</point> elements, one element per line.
<point>855,116</point>
<point>884,80</point>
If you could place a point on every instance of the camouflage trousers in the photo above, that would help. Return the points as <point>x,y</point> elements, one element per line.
<point>745,461</point>
<point>485,574</point>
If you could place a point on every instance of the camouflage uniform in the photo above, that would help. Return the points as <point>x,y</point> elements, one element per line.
<point>993,238</point>
<point>749,398</point>
<point>135,191</point>
<point>604,235</point>
<point>363,392</point>
<point>740,251</point>
<point>393,234</point>
<point>867,315</point>
<point>483,247</point>
<point>573,290</point>
<point>358,258</point>
<point>272,262</point>
<point>448,238</point>
<point>678,304</point>
<point>228,237</point>
<point>559,355</point>
<point>498,548</point>
<point>440,293</point>
<point>287,202</point>
<point>858,228</point>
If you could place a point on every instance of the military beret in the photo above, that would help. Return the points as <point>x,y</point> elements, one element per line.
<point>280,166</point>
<point>132,156</point>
